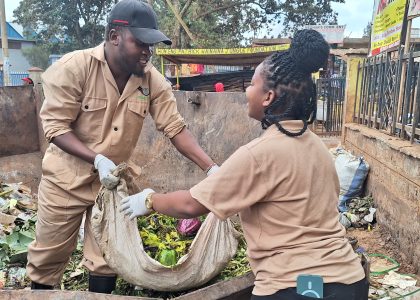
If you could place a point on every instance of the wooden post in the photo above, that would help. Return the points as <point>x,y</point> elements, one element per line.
<point>35,74</point>
<point>403,76</point>
<point>350,94</point>
<point>5,46</point>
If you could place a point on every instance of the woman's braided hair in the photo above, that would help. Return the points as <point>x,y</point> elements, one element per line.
<point>288,74</point>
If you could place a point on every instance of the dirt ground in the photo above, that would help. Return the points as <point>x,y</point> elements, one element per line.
<point>378,240</point>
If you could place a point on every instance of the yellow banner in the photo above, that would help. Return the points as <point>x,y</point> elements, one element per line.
<point>388,17</point>
<point>231,51</point>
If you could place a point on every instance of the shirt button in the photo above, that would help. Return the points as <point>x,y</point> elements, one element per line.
<point>115,128</point>
<point>86,106</point>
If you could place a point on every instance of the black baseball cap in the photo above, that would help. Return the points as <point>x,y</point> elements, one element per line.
<point>140,19</point>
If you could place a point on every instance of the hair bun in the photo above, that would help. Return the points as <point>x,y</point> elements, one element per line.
<point>309,50</point>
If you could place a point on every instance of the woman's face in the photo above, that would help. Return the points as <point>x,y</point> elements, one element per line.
<point>258,98</point>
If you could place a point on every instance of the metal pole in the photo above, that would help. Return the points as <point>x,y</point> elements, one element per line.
<point>177,78</point>
<point>4,45</point>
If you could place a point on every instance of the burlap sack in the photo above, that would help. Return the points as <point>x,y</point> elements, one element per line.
<point>119,240</point>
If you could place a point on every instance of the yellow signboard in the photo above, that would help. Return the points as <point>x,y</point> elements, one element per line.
<point>230,51</point>
<point>388,17</point>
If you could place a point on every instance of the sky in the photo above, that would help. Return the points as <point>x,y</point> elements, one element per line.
<point>10,6</point>
<point>355,14</point>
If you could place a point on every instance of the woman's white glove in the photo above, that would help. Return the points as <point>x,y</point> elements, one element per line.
<point>105,167</point>
<point>135,205</point>
<point>213,169</point>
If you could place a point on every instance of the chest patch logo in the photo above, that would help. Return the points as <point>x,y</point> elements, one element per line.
<point>145,92</point>
<point>142,98</point>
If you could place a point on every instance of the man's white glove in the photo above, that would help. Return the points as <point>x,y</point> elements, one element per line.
<point>105,167</point>
<point>135,205</point>
<point>213,169</point>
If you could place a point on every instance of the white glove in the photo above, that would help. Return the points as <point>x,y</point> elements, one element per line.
<point>105,167</point>
<point>212,170</point>
<point>135,205</point>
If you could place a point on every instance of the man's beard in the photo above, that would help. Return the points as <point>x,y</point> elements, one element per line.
<point>138,73</point>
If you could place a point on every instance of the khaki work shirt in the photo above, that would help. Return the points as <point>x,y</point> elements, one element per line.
<point>286,192</point>
<point>81,96</point>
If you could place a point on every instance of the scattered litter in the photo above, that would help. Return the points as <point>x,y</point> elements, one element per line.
<point>361,213</point>
<point>397,280</point>
<point>370,217</point>
<point>16,276</point>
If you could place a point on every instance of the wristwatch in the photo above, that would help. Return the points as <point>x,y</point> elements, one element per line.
<point>149,201</point>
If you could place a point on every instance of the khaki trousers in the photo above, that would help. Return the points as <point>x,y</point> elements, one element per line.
<point>60,214</point>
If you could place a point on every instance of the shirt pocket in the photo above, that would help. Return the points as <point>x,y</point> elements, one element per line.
<point>138,108</point>
<point>88,126</point>
<point>136,113</point>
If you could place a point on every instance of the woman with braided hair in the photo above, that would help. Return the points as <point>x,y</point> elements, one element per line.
<point>283,185</point>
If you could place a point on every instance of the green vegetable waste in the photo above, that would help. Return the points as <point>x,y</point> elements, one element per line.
<point>161,239</point>
<point>168,257</point>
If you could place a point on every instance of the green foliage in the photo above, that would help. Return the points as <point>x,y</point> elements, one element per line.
<point>37,55</point>
<point>230,23</point>
<point>368,29</point>
<point>65,25</point>
<point>15,244</point>
<point>73,24</point>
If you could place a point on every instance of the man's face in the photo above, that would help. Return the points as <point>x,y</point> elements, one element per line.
<point>133,54</point>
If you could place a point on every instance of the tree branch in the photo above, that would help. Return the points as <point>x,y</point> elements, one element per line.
<point>228,6</point>
<point>178,17</point>
<point>185,8</point>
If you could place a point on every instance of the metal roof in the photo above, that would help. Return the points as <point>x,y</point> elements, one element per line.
<point>12,33</point>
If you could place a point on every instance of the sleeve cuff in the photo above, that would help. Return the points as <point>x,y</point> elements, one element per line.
<point>196,195</point>
<point>174,129</point>
<point>55,132</point>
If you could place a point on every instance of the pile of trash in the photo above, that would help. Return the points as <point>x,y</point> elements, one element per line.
<point>361,213</point>
<point>17,231</point>
<point>386,283</point>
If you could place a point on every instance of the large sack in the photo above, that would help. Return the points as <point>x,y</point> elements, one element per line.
<point>352,172</point>
<point>119,240</point>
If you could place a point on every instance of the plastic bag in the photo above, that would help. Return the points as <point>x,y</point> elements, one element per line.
<point>352,172</point>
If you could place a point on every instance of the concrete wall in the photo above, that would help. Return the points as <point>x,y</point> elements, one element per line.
<point>394,177</point>
<point>220,124</point>
<point>394,182</point>
<point>18,121</point>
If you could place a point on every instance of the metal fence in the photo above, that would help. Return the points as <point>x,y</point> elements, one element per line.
<point>387,97</point>
<point>15,78</point>
<point>330,95</point>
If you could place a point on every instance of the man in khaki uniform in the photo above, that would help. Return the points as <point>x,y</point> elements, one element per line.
<point>95,104</point>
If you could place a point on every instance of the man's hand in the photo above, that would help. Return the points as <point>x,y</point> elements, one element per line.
<point>135,205</point>
<point>105,167</point>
